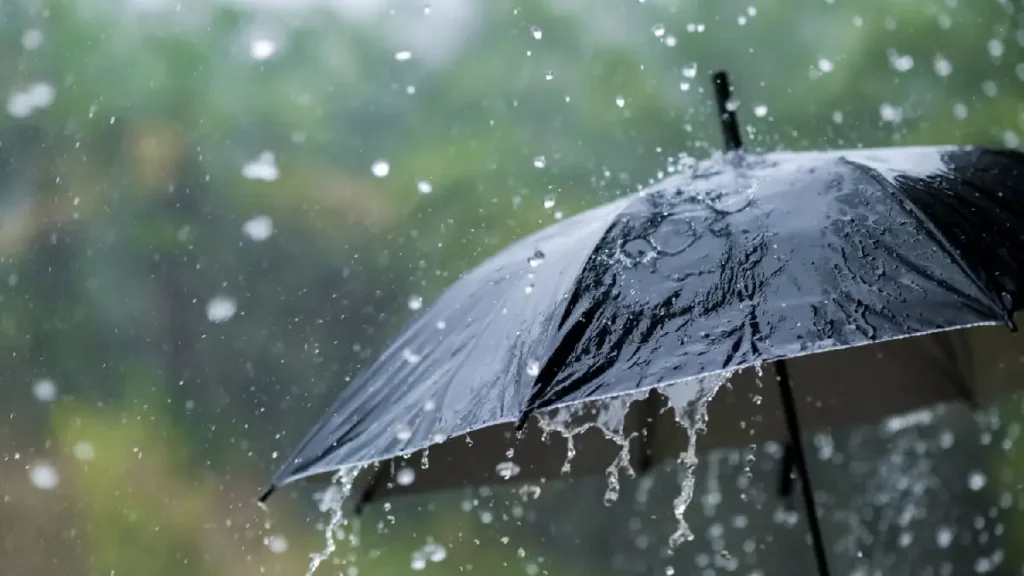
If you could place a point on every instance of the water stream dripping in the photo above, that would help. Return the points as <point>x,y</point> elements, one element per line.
<point>332,501</point>
<point>610,420</point>
<point>689,400</point>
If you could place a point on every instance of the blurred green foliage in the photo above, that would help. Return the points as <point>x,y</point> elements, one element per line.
<point>122,206</point>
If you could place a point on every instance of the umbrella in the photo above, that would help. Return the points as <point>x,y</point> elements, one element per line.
<point>780,268</point>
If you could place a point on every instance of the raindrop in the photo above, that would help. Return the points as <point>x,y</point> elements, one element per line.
<point>415,302</point>
<point>411,356</point>
<point>996,48</point>
<point>32,39</point>
<point>380,168</point>
<point>976,480</point>
<point>424,187</point>
<point>536,259</point>
<point>549,202</point>
<point>264,167</point>
<point>549,75</point>
<point>418,562</point>
<point>507,469</point>
<point>405,476</point>
<point>261,49</point>
<point>403,55</point>
<point>403,432</point>
<point>83,451</point>
<point>825,65</point>
<point>43,476</point>
<point>221,308</point>
<point>890,113</point>
<point>540,162</point>
<point>533,368</point>
<point>658,30</point>
<point>258,228</point>
<point>620,101</point>
<point>760,110</point>
<point>942,66</point>
<point>45,390</point>
<point>430,405</point>
<point>441,325</point>
<point>960,110</point>
<point>536,32</point>
<point>899,62</point>
<point>22,103</point>
<point>690,70</point>
<point>277,544</point>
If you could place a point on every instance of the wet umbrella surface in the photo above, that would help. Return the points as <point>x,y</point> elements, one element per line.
<point>728,264</point>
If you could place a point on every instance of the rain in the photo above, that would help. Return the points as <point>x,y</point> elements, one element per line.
<point>454,243</point>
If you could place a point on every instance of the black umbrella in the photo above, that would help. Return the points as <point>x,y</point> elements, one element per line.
<point>728,265</point>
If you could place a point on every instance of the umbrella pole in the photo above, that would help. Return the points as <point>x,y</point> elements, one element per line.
<point>800,461</point>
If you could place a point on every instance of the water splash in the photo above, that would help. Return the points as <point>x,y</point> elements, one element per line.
<point>689,400</point>
<point>610,419</point>
<point>332,500</point>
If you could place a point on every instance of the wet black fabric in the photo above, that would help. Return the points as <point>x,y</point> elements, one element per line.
<point>731,262</point>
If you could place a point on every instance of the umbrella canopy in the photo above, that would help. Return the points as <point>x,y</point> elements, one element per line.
<point>728,265</point>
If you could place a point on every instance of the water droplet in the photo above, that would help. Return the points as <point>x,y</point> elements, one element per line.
<point>403,432</point>
<point>549,202</point>
<point>411,356</point>
<point>690,70</point>
<point>424,187</point>
<point>549,75</point>
<point>996,48</point>
<point>43,476</point>
<point>533,368</point>
<point>620,101</point>
<point>825,65</point>
<point>262,48</point>
<point>45,390</point>
<point>430,405</point>
<point>277,544</point>
<point>944,536</point>
<point>221,308</point>
<point>536,259</point>
<point>890,113</point>
<point>263,167</point>
<point>380,168</point>
<point>536,32</point>
<point>441,325</point>
<point>258,228</point>
<point>976,480</point>
<point>418,562</point>
<point>415,302</point>
<point>405,476</point>
<point>403,55</point>
<point>507,469</point>
<point>83,451</point>
<point>942,66</point>
<point>32,39</point>
<point>539,162</point>
<point>658,30</point>
<point>528,289</point>
<point>22,103</point>
<point>760,110</point>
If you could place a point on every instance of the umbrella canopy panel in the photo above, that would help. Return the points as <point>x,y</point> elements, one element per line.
<point>731,262</point>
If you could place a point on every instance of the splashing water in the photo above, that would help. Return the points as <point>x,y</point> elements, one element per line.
<point>689,400</point>
<point>610,419</point>
<point>333,501</point>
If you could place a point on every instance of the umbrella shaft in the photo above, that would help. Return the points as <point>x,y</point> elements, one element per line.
<point>800,460</point>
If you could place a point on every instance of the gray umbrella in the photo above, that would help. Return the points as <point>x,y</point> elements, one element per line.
<point>775,268</point>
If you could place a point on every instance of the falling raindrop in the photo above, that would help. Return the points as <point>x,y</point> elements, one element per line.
<point>415,302</point>
<point>258,228</point>
<point>549,202</point>
<point>45,390</point>
<point>261,49</point>
<point>976,480</point>
<point>277,544</point>
<point>620,101</point>
<point>536,32</point>
<point>263,167</point>
<point>43,476</point>
<point>83,451</point>
<point>507,469</point>
<point>405,476</point>
<point>549,75</point>
<point>22,103</point>
<point>890,113</point>
<point>403,55</point>
<point>221,308</point>
<point>690,70</point>
<point>32,39</point>
<point>332,501</point>
<point>424,187</point>
<point>380,168</point>
<point>539,162</point>
<point>825,65</point>
<point>658,30</point>
<point>411,356</point>
<point>942,66</point>
<point>760,110</point>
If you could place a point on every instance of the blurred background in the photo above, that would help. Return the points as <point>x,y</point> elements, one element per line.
<point>214,213</point>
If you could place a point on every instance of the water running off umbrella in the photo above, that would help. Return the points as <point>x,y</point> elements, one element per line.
<point>688,399</point>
